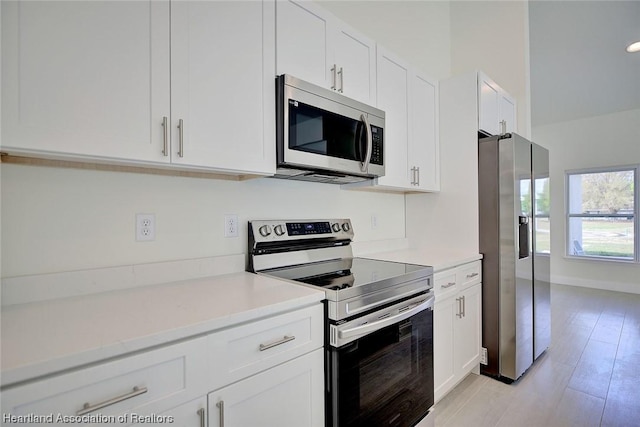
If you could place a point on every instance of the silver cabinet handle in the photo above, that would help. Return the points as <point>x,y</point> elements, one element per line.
<point>285,339</point>
<point>413,175</point>
<point>459,313</point>
<point>203,420</point>
<point>181,147</point>
<point>220,405</point>
<point>165,132</point>
<point>503,127</point>
<point>87,407</point>
<point>472,275</point>
<point>464,306</point>
<point>448,285</point>
<point>365,164</point>
<point>341,72</point>
<point>418,174</point>
<point>334,80</point>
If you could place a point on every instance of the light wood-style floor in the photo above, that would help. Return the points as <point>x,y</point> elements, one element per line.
<point>589,376</point>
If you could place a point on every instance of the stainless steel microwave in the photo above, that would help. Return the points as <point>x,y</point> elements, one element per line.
<point>324,136</point>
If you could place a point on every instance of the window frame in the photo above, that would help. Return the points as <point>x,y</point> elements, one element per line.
<point>636,210</point>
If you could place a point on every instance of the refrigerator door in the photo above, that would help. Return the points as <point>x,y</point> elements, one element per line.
<point>541,251</point>
<point>516,294</point>
<point>505,242</point>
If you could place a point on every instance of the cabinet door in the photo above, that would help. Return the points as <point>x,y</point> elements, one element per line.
<point>393,99</point>
<point>190,414</point>
<point>288,395</point>
<point>302,37</point>
<point>444,318</point>
<point>85,78</point>
<point>468,334</point>
<point>488,105</point>
<point>355,59</point>
<point>222,85</point>
<point>508,112</point>
<point>424,145</point>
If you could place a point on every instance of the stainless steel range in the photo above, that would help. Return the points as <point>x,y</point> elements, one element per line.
<point>379,325</point>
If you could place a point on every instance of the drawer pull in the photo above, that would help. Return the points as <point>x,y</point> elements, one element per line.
<point>87,408</point>
<point>448,285</point>
<point>203,419</point>
<point>285,339</point>
<point>472,275</point>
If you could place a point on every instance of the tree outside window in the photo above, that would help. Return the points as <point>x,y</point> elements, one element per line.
<point>602,214</point>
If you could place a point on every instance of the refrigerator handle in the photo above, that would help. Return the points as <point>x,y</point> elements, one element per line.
<point>523,236</point>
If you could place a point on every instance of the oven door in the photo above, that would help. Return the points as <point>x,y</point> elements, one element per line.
<point>319,130</point>
<point>383,377</point>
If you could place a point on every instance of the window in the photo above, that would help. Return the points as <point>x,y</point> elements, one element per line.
<point>602,214</point>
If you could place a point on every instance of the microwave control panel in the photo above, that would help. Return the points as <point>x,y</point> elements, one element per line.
<point>376,150</point>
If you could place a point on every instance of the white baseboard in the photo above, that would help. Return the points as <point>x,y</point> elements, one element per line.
<point>631,288</point>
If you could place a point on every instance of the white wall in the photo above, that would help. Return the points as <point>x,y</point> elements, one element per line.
<point>609,140</point>
<point>64,219</point>
<point>447,222</point>
<point>56,219</point>
<point>417,31</point>
<point>493,36</point>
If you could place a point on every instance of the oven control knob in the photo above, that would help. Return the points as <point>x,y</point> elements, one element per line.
<point>279,230</point>
<point>335,227</point>
<point>265,230</point>
<point>346,227</point>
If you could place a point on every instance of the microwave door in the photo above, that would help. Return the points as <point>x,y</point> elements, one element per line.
<point>325,140</point>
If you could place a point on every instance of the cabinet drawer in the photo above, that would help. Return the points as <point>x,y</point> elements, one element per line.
<point>162,378</point>
<point>245,350</point>
<point>445,283</point>
<point>470,274</point>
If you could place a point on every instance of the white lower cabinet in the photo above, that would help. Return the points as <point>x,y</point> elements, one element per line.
<point>288,395</point>
<point>457,325</point>
<point>267,372</point>
<point>190,414</point>
<point>118,392</point>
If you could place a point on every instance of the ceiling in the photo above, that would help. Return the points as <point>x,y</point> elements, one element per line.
<point>579,66</point>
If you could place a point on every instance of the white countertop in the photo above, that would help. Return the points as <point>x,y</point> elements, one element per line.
<point>437,259</point>
<point>40,338</point>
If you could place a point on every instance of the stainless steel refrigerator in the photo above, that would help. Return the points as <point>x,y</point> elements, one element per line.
<point>515,243</point>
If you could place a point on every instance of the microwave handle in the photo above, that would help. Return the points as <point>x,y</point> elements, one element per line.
<point>365,164</point>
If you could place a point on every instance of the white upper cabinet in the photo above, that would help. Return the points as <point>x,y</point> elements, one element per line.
<point>411,142</point>
<point>496,108</point>
<point>315,46</point>
<point>85,78</point>
<point>393,98</point>
<point>424,145</point>
<point>222,85</point>
<point>145,83</point>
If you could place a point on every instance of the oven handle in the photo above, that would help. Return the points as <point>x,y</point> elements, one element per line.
<point>374,326</point>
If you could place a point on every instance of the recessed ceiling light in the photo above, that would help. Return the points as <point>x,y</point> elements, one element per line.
<point>633,47</point>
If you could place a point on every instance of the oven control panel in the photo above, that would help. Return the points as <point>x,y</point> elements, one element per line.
<point>275,230</point>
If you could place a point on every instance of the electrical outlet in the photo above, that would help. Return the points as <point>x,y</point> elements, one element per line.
<point>484,357</point>
<point>145,227</point>
<point>231,225</point>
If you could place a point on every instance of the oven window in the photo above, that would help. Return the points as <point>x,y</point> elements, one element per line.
<point>321,132</point>
<point>385,378</point>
